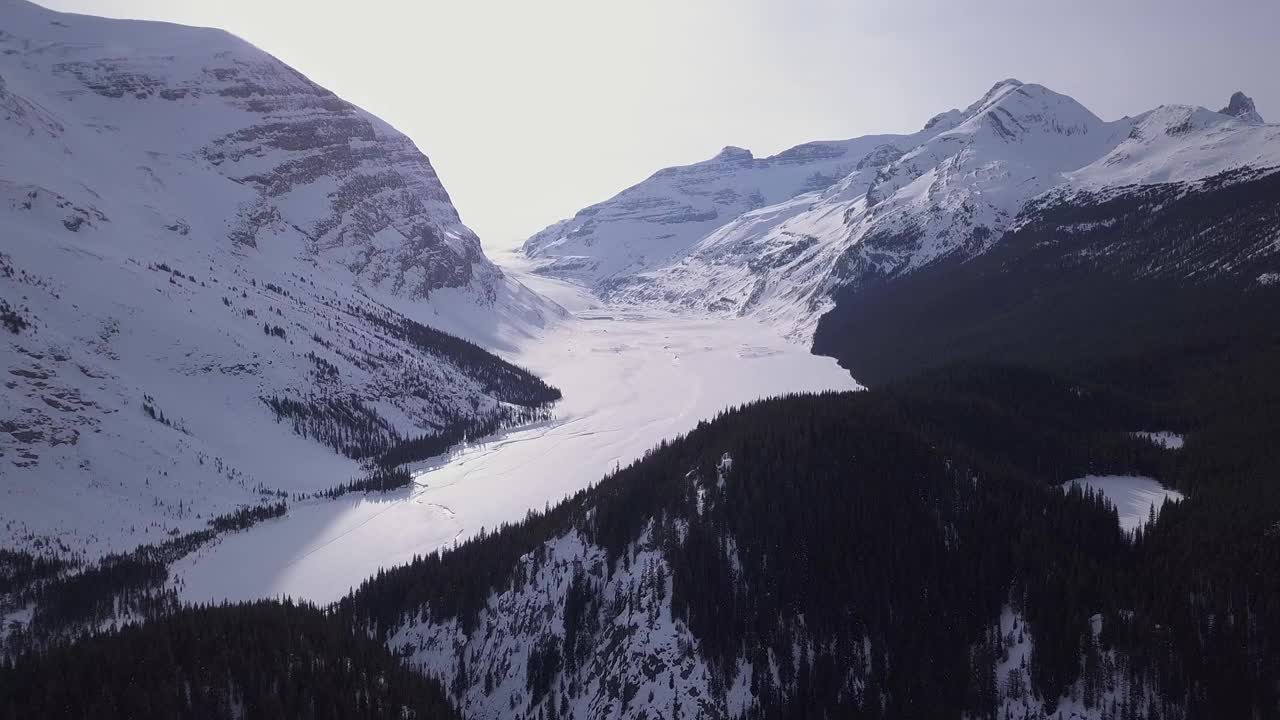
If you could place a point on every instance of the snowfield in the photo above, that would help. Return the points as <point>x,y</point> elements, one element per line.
<point>1133,496</point>
<point>630,378</point>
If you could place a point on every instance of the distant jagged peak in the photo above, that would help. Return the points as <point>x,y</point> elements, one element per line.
<point>1008,93</point>
<point>1174,120</point>
<point>1241,106</point>
<point>733,153</point>
<point>997,91</point>
<point>945,121</point>
<point>1012,108</point>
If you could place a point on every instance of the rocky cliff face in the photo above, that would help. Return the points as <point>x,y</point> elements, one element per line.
<point>388,219</point>
<point>1241,106</point>
<point>307,163</point>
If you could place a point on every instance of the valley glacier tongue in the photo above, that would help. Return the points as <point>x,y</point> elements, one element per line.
<point>631,377</point>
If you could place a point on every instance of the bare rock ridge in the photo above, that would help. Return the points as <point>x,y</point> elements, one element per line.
<point>1241,106</point>
<point>731,153</point>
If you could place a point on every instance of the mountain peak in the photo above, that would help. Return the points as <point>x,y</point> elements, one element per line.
<point>1241,106</point>
<point>944,121</point>
<point>733,153</point>
<point>1011,109</point>
<point>998,93</point>
<point>997,90</point>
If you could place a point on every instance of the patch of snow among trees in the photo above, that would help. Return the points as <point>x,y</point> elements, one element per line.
<point>1164,438</point>
<point>1101,692</point>
<point>1137,499</point>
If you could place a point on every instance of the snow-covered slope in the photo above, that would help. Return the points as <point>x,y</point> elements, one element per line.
<point>637,658</point>
<point>1182,144</point>
<point>951,190</point>
<point>187,227</point>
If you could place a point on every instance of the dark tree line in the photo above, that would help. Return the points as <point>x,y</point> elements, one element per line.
<point>247,517</point>
<point>344,423</point>
<point>355,430</point>
<point>380,480</point>
<point>71,598</point>
<point>19,568</point>
<point>498,377</point>
<point>428,446</point>
<point>265,660</point>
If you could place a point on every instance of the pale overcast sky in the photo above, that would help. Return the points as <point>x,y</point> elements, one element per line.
<point>532,109</point>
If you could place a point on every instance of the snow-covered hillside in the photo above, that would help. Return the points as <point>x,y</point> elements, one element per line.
<point>634,657</point>
<point>951,190</point>
<point>189,228</point>
<point>575,632</point>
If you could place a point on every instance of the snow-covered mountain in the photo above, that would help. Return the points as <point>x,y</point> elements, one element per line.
<point>951,190</point>
<point>648,224</point>
<point>189,228</point>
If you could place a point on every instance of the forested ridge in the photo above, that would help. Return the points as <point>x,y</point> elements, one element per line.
<point>264,660</point>
<point>908,516</point>
<point>1161,267</point>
